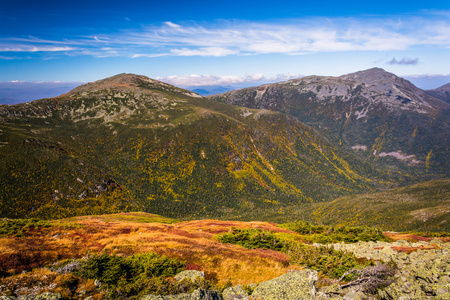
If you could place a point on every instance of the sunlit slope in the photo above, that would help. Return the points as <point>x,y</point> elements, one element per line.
<point>132,143</point>
<point>424,206</point>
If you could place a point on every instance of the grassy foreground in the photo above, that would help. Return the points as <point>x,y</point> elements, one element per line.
<point>136,253</point>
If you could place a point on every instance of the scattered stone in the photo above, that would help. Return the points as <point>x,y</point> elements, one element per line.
<point>43,296</point>
<point>435,241</point>
<point>294,285</point>
<point>235,293</point>
<point>196,295</point>
<point>192,275</point>
<point>354,296</point>
<point>205,295</point>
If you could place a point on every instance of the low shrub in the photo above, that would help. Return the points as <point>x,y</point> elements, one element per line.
<point>303,227</point>
<point>19,227</point>
<point>253,239</point>
<point>137,275</point>
<point>110,269</point>
<point>335,234</point>
<point>326,260</point>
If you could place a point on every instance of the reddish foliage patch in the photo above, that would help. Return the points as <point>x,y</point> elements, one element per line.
<point>409,250</point>
<point>420,238</point>
<point>18,262</point>
<point>193,267</point>
<point>181,233</point>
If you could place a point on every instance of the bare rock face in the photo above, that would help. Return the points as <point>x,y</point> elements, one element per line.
<point>294,285</point>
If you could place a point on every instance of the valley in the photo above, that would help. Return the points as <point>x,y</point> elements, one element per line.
<point>131,188</point>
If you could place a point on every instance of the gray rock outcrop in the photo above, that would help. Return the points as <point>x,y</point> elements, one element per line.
<point>191,275</point>
<point>235,293</point>
<point>294,285</point>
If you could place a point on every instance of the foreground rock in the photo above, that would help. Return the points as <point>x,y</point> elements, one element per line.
<point>295,285</point>
<point>43,296</point>
<point>198,294</point>
<point>422,274</point>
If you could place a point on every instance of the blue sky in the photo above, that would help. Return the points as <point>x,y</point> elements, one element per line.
<point>225,42</point>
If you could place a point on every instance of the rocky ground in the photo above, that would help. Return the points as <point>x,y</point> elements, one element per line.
<point>420,270</point>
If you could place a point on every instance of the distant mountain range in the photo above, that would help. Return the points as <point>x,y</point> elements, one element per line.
<point>129,142</point>
<point>19,92</point>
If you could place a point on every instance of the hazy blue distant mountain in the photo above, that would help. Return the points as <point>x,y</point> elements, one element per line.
<point>207,90</point>
<point>20,92</point>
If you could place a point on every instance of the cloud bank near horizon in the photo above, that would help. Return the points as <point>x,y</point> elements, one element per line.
<point>13,92</point>
<point>194,80</point>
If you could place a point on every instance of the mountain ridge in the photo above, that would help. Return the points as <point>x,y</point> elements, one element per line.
<point>371,112</point>
<point>131,143</point>
<point>442,92</point>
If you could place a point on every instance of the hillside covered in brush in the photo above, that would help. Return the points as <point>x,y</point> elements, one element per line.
<point>132,143</point>
<point>375,114</point>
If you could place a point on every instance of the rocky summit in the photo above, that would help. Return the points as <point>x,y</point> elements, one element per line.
<point>375,114</point>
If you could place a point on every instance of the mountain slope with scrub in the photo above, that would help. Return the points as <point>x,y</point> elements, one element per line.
<point>132,143</point>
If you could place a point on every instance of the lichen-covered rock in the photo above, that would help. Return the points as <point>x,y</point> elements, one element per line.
<point>294,285</point>
<point>49,296</point>
<point>43,296</point>
<point>354,296</point>
<point>191,275</point>
<point>152,297</point>
<point>330,292</point>
<point>6,298</point>
<point>185,296</point>
<point>235,293</point>
<point>205,295</point>
<point>198,294</point>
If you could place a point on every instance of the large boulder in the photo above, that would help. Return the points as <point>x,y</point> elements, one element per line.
<point>43,296</point>
<point>190,275</point>
<point>235,293</point>
<point>296,285</point>
<point>198,294</point>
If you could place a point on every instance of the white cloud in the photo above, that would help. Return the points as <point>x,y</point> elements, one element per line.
<point>202,80</point>
<point>208,51</point>
<point>405,61</point>
<point>173,25</point>
<point>36,49</point>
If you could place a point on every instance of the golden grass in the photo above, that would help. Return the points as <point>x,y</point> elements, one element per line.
<point>191,241</point>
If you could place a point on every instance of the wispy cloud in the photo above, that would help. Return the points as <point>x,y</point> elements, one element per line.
<point>224,38</point>
<point>203,80</point>
<point>26,48</point>
<point>404,61</point>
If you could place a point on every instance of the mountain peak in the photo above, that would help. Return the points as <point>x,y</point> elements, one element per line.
<point>126,81</point>
<point>123,80</point>
<point>370,76</point>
